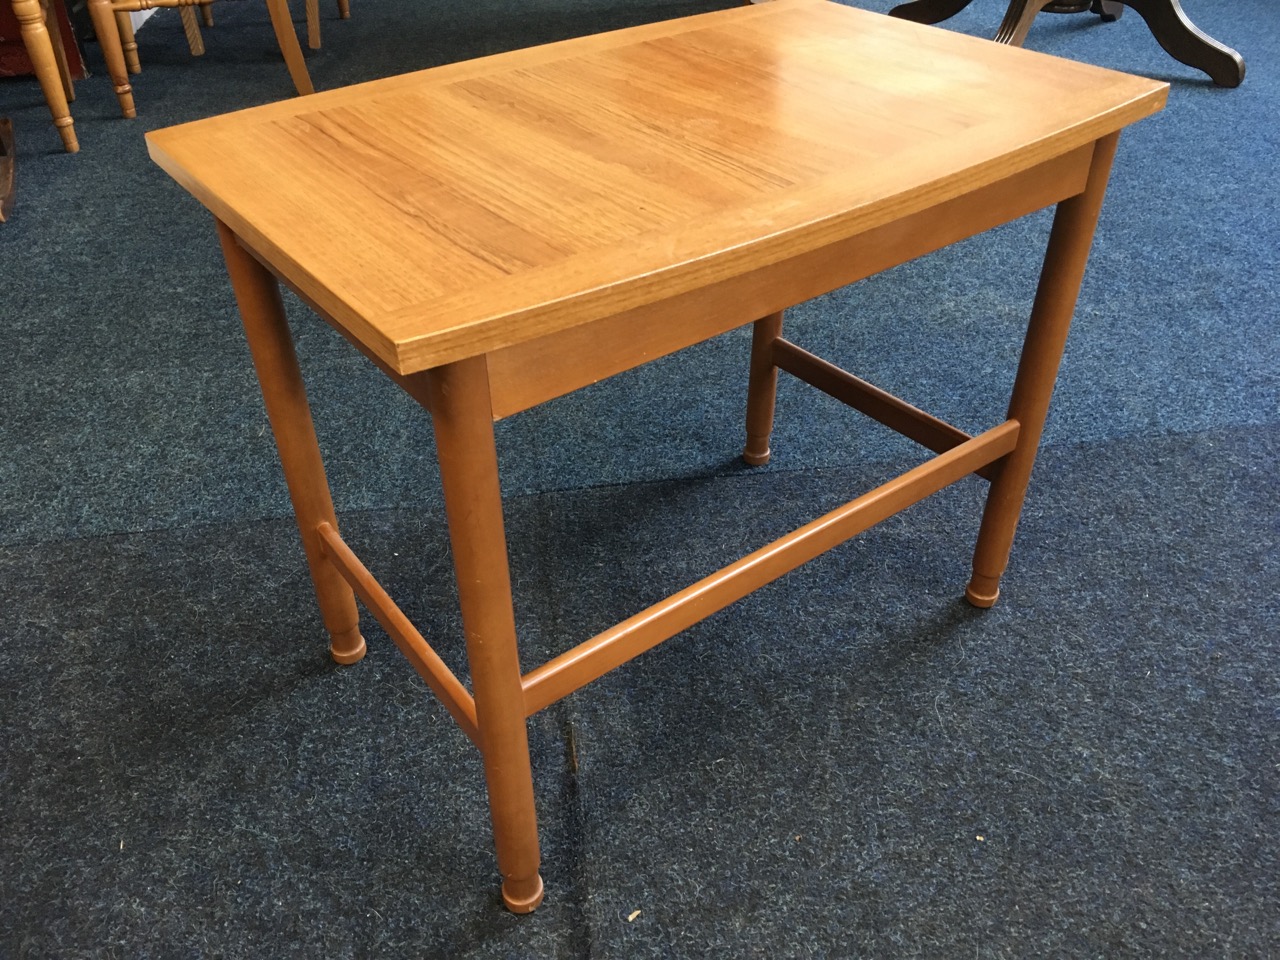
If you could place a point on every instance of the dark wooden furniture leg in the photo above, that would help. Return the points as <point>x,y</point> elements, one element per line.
<point>6,167</point>
<point>1017,21</point>
<point>928,11</point>
<point>1181,38</point>
<point>1187,43</point>
<point>1109,10</point>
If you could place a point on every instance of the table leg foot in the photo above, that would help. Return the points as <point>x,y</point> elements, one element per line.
<point>39,45</point>
<point>128,42</point>
<point>983,592</point>
<point>347,647</point>
<point>523,897</point>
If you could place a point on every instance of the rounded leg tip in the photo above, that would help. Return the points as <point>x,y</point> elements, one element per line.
<point>982,599</point>
<point>754,459</point>
<point>348,651</point>
<point>527,903</point>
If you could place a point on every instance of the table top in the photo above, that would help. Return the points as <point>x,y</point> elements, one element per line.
<point>457,210</point>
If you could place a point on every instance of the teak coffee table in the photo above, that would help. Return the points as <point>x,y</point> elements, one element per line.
<point>496,233</point>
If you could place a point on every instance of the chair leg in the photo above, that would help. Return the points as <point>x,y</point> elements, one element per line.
<point>1185,42</point>
<point>128,42</point>
<point>313,24</point>
<point>59,51</point>
<point>206,14</point>
<point>39,46</point>
<point>344,9</point>
<point>287,38</point>
<point>108,31</point>
<point>191,27</point>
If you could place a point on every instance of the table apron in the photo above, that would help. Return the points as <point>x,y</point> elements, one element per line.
<point>530,373</point>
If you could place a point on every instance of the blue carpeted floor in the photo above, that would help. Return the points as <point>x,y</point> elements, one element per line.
<point>852,762</point>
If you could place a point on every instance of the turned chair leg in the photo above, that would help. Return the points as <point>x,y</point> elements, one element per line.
<point>39,45</point>
<point>128,42</point>
<point>108,31</point>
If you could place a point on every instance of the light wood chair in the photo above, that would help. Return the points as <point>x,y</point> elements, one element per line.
<point>119,47</point>
<point>191,26</point>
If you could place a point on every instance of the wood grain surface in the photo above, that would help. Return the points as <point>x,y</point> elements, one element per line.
<point>455,211</point>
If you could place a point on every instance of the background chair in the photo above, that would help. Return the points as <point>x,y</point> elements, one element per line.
<point>115,35</point>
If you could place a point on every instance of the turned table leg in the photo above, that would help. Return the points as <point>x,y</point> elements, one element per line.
<point>39,46</point>
<point>1055,302</point>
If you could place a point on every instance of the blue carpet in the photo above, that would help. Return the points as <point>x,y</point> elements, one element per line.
<point>850,763</point>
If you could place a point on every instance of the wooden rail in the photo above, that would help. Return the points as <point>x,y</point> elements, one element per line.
<point>457,700</point>
<point>895,413</point>
<point>593,658</point>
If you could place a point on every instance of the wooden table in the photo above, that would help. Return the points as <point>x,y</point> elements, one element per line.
<point>496,233</point>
